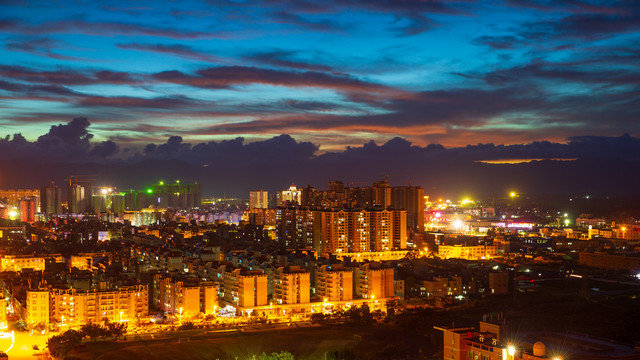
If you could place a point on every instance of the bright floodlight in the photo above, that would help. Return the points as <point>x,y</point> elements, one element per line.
<point>104,191</point>
<point>511,350</point>
<point>513,194</point>
<point>457,224</point>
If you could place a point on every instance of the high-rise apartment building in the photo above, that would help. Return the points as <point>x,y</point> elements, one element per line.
<point>377,195</point>
<point>345,231</point>
<point>380,194</point>
<point>293,195</point>
<point>361,230</point>
<point>78,199</point>
<point>411,199</point>
<point>175,195</point>
<point>51,200</point>
<point>295,226</point>
<point>99,203</point>
<point>27,206</point>
<point>341,231</point>
<point>259,199</point>
<point>118,204</point>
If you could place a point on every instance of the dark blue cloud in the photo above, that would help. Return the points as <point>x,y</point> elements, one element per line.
<point>235,166</point>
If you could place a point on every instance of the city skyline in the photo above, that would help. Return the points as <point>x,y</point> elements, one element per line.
<point>335,74</point>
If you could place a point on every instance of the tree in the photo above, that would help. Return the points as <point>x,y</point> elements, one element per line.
<point>359,315</point>
<point>283,355</point>
<point>117,329</point>
<point>317,318</point>
<point>60,345</point>
<point>92,331</point>
<point>187,326</point>
<point>341,355</point>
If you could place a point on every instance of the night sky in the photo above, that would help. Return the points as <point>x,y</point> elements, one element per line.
<point>242,95</point>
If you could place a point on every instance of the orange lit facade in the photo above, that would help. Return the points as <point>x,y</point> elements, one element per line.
<point>373,281</point>
<point>244,288</point>
<point>610,261</point>
<point>188,298</point>
<point>352,231</point>
<point>487,344</point>
<point>74,307</point>
<point>36,308</point>
<point>15,195</point>
<point>334,283</point>
<point>476,252</point>
<point>3,314</point>
<point>441,287</point>
<point>291,285</point>
<point>20,262</point>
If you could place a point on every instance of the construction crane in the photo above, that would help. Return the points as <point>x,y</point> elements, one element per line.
<point>84,180</point>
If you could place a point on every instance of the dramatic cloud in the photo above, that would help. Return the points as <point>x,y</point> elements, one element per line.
<point>174,49</point>
<point>39,46</point>
<point>64,142</point>
<point>282,59</point>
<point>100,29</point>
<point>334,74</point>
<point>228,76</point>
<point>65,76</point>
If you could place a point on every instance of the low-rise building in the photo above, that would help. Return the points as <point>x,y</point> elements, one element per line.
<point>334,283</point>
<point>492,341</point>
<point>475,252</point>
<point>75,307</point>
<point>36,308</point>
<point>500,282</point>
<point>440,287</point>
<point>184,296</point>
<point>291,285</point>
<point>244,288</point>
<point>20,262</point>
<point>373,280</point>
<point>610,261</point>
